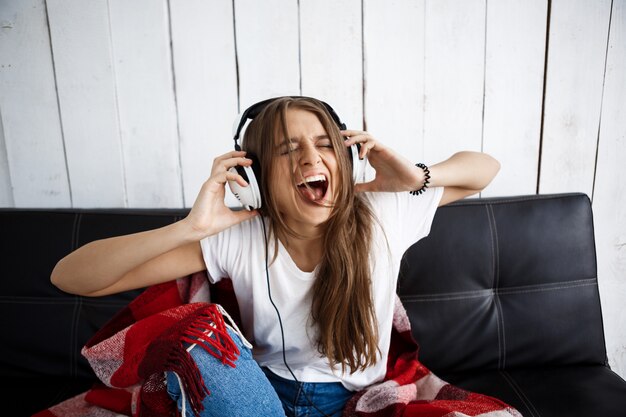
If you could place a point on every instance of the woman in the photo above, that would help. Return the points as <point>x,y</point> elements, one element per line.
<point>314,269</point>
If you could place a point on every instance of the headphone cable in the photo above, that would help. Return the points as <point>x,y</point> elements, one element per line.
<point>280,321</point>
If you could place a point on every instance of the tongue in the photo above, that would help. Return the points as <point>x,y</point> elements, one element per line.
<point>312,194</point>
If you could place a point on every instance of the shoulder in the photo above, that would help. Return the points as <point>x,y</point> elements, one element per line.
<point>242,234</point>
<point>403,216</point>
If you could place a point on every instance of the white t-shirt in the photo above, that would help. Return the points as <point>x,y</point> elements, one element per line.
<point>239,253</point>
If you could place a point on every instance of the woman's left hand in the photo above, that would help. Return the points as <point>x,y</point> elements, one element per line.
<point>394,173</point>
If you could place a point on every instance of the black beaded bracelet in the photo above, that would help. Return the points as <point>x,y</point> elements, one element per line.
<point>426,178</point>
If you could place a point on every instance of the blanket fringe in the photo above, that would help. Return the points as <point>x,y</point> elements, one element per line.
<point>209,331</point>
<point>181,363</point>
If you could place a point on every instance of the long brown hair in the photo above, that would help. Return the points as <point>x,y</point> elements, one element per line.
<point>342,306</point>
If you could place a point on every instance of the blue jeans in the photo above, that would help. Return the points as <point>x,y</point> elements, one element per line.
<point>249,391</point>
<point>309,399</point>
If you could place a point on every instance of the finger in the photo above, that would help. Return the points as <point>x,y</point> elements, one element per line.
<point>353,132</point>
<point>358,136</point>
<point>226,164</point>
<point>366,147</point>
<point>243,215</point>
<point>353,136</point>
<point>229,163</point>
<point>232,176</point>
<point>229,155</point>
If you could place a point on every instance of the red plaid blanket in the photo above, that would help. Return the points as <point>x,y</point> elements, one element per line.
<point>133,350</point>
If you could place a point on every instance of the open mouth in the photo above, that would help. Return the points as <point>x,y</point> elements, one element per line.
<point>313,188</point>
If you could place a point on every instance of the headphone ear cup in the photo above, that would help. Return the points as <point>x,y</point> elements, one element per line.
<point>250,196</point>
<point>358,165</point>
<point>256,174</point>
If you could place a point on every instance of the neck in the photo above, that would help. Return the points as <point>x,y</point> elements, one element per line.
<point>305,252</point>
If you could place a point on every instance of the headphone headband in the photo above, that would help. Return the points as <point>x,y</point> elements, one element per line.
<point>255,109</point>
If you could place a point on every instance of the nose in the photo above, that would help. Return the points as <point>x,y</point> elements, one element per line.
<point>310,155</point>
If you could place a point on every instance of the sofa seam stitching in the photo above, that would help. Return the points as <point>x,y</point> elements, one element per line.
<point>560,287</point>
<point>501,291</point>
<point>520,392</point>
<point>497,285</point>
<point>51,301</point>
<point>517,200</point>
<point>77,305</point>
<point>493,284</point>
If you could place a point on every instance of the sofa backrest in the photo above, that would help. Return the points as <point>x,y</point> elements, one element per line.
<point>498,283</point>
<point>506,282</point>
<point>44,328</point>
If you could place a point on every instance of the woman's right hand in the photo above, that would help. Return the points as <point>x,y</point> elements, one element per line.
<point>209,214</point>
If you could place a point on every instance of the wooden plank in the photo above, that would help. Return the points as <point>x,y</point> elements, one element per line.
<point>29,108</point>
<point>331,56</point>
<point>609,196</point>
<point>6,190</point>
<point>577,47</point>
<point>394,58</point>
<point>453,76</point>
<point>143,70</point>
<point>86,90</point>
<point>206,87</point>
<point>267,49</point>
<point>514,70</point>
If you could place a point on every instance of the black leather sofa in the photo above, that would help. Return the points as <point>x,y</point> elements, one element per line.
<point>502,296</point>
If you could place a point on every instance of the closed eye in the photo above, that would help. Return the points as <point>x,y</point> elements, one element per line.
<point>324,143</point>
<point>293,145</point>
<point>288,147</point>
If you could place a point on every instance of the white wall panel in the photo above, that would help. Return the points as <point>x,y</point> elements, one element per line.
<point>577,47</point>
<point>267,49</point>
<point>514,67</point>
<point>145,92</point>
<point>6,190</point>
<point>331,57</point>
<point>206,87</point>
<point>453,76</point>
<point>29,109</point>
<point>609,197</point>
<point>81,40</point>
<point>394,67</point>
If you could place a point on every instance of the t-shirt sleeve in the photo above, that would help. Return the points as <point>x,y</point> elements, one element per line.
<point>219,251</point>
<point>406,216</point>
<point>421,209</point>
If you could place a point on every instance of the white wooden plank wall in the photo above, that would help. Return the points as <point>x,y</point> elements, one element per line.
<point>28,106</point>
<point>609,196</point>
<point>575,73</point>
<point>206,86</point>
<point>267,35</point>
<point>86,87</point>
<point>110,103</point>
<point>140,42</point>
<point>393,35</point>
<point>454,71</point>
<point>331,58</point>
<point>514,67</point>
<point>6,193</point>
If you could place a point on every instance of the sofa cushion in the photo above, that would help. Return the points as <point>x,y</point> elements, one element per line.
<point>502,283</point>
<point>572,391</point>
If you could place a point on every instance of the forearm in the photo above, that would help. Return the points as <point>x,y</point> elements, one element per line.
<point>467,170</point>
<point>101,263</point>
